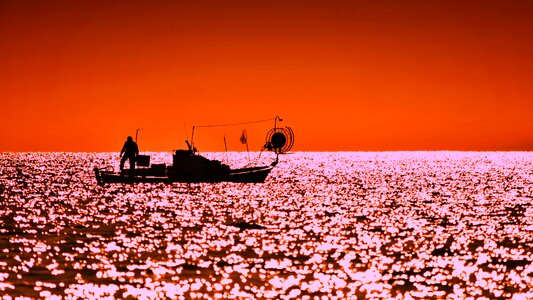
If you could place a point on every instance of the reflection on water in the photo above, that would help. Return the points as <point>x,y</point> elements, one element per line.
<point>341,225</point>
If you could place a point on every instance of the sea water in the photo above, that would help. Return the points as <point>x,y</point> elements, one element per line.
<point>342,225</point>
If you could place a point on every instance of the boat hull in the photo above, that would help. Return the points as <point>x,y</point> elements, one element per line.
<point>245,175</point>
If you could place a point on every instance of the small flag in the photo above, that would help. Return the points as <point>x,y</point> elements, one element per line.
<point>244,138</point>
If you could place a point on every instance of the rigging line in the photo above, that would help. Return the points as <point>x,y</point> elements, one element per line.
<point>234,124</point>
<point>153,129</point>
<point>161,128</point>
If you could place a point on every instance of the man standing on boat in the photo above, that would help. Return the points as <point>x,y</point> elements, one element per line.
<point>130,150</point>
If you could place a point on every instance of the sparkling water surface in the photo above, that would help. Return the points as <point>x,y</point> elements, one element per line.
<point>340,225</point>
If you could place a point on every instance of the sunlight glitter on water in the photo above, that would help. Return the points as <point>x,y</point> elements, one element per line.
<point>340,225</point>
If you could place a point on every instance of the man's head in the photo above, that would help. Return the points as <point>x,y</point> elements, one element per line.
<point>130,138</point>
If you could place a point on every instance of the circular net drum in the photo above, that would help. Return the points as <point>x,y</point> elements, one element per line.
<point>280,140</point>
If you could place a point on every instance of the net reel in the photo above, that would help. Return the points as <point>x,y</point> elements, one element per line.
<point>279,139</point>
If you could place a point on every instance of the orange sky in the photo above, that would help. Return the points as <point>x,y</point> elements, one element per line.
<point>345,75</point>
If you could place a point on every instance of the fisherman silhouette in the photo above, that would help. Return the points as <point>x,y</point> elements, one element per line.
<point>130,150</point>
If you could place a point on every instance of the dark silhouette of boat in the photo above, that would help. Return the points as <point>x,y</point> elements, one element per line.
<point>190,167</point>
<point>187,167</point>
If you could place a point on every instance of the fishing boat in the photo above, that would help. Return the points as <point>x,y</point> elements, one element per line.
<point>190,167</point>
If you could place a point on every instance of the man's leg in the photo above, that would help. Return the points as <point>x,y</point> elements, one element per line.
<point>122,161</point>
<point>132,165</point>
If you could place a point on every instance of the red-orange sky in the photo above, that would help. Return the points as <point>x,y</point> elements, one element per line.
<point>345,75</point>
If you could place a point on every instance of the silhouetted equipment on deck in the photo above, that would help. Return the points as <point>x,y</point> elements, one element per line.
<point>280,140</point>
<point>143,160</point>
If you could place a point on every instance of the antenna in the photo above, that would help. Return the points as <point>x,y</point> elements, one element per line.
<point>185,129</point>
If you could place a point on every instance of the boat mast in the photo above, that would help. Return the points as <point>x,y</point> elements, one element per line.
<point>191,146</point>
<point>137,134</point>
